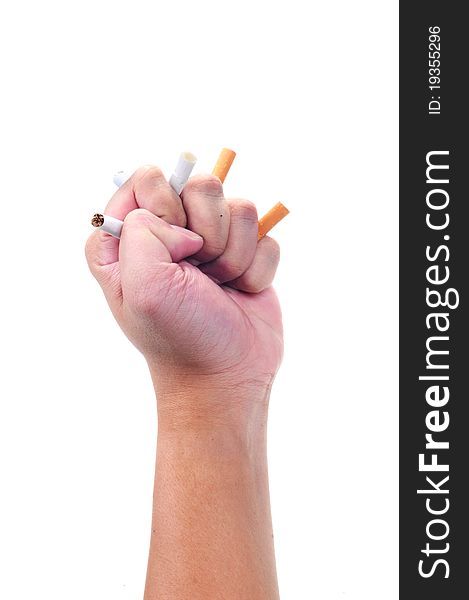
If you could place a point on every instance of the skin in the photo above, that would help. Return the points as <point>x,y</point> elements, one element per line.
<point>196,300</point>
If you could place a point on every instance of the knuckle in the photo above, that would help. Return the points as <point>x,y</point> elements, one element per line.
<point>272,249</point>
<point>148,175</point>
<point>243,209</point>
<point>204,184</point>
<point>233,270</point>
<point>139,173</point>
<point>228,269</point>
<point>176,217</point>
<point>251,285</point>
<point>213,249</point>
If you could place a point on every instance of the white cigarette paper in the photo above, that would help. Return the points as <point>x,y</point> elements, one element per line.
<point>120,177</point>
<point>112,225</point>
<point>182,171</point>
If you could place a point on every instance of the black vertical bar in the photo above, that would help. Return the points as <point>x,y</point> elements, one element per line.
<point>423,131</point>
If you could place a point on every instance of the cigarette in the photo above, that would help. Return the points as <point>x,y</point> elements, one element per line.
<point>182,171</point>
<point>108,224</point>
<point>223,164</point>
<point>271,218</point>
<point>120,177</point>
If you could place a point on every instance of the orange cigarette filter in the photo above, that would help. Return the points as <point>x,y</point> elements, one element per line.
<point>275,214</point>
<point>270,219</point>
<point>223,165</point>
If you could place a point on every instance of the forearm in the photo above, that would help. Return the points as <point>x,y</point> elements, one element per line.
<point>211,530</point>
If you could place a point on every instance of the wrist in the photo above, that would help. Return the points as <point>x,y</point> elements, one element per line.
<point>234,408</point>
<point>219,449</point>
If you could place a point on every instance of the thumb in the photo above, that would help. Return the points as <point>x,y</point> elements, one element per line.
<point>149,244</point>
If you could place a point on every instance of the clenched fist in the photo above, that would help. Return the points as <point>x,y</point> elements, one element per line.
<point>189,284</point>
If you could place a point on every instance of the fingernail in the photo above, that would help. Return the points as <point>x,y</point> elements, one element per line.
<point>188,232</point>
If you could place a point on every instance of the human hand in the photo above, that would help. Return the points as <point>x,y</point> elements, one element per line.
<point>215,326</point>
<point>210,329</point>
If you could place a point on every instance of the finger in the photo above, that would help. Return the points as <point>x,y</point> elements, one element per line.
<point>207,214</point>
<point>148,246</point>
<point>146,188</point>
<point>241,245</point>
<point>262,270</point>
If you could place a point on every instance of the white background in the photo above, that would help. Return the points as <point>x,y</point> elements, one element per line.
<point>306,93</point>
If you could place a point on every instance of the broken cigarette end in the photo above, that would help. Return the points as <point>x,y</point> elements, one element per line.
<point>223,164</point>
<point>108,224</point>
<point>271,218</point>
<point>97,220</point>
